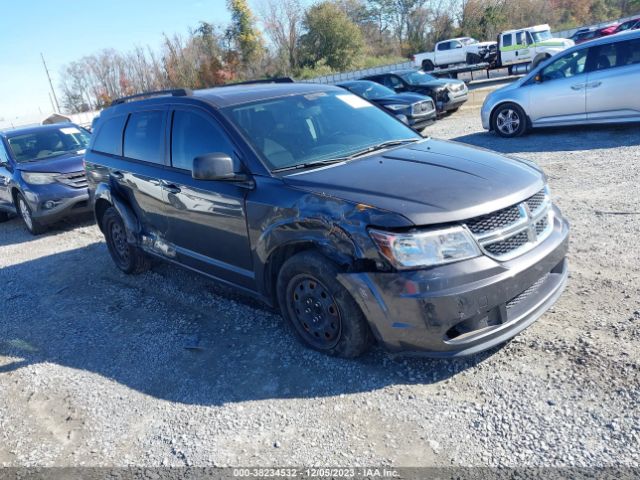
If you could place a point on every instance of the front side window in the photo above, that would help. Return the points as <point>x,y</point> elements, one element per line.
<point>520,38</point>
<point>193,135</point>
<point>144,135</point>
<point>47,142</point>
<point>566,66</point>
<point>319,126</point>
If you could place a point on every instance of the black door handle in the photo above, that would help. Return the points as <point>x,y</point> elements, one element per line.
<point>171,188</point>
<point>117,175</point>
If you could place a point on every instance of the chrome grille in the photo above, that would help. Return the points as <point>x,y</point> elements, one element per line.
<point>74,179</point>
<point>514,230</point>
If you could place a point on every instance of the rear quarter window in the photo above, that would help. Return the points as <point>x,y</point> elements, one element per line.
<point>108,138</point>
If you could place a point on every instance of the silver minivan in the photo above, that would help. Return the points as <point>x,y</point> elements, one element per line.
<point>594,82</point>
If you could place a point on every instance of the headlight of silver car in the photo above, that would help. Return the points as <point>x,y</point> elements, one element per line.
<point>38,178</point>
<point>425,248</point>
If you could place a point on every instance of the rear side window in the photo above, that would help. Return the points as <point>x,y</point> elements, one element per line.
<point>618,54</point>
<point>192,135</point>
<point>506,40</point>
<point>143,137</point>
<point>520,38</point>
<point>109,136</point>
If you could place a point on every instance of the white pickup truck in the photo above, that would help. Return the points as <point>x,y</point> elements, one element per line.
<point>523,47</point>
<point>454,51</point>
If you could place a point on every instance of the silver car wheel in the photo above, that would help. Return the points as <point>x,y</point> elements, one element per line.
<point>508,121</point>
<point>25,213</point>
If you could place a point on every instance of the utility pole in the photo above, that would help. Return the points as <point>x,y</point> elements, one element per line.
<point>53,92</point>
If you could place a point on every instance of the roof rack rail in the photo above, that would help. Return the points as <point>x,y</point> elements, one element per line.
<point>263,80</point>
<point>178,92</point>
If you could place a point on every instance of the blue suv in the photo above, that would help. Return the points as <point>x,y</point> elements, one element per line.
<point>42,175</point>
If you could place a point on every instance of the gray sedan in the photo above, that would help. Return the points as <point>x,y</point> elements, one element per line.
<point>594,82</point>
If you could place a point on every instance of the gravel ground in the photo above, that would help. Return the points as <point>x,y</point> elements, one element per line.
<point>98,368</point>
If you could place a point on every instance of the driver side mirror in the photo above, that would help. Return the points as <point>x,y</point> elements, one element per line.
<point>217,166</point>
<point>459,45</point>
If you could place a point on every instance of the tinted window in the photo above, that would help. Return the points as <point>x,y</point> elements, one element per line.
<point>3,154</point>
<point>143,136</point>
<point>506,40</point>
<point>616,55</point>
<point>566,66</point>
<point>192,135</point>
<point>317,126</point>
<point>444,46</point>
<point>109,136</point>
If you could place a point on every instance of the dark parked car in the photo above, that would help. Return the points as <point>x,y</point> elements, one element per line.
<point>42,174</point>
<point>318,202</point>
<point>449,94</point>
<point>585,34</point>
<point>417,111</point>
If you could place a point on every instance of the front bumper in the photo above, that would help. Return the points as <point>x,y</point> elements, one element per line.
<point>51,203</point>
<point>455,100</point>
<point>419,122</point>
<point>466,307</point>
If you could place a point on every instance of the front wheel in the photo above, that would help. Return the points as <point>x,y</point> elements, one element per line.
<point>34,227</point>
<point>319,309</point>
<point>509,120</point>
<point>427,65</point>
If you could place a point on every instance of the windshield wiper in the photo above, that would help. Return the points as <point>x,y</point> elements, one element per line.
<point>346,158</point>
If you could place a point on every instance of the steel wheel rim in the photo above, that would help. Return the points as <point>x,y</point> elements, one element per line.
<point>25,213</point>
<point>119,242</point>
<point>508,121</point>
<point>314,311</point>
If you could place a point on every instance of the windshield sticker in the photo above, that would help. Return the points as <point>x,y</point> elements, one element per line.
<point>354,101</point>
<point>69,130</point>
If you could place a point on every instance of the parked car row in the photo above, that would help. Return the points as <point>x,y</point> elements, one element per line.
<point>591,33</point>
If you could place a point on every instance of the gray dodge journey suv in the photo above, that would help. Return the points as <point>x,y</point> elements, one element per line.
<point>326,207</point>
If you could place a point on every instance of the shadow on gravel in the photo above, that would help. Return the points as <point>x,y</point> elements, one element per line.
<point>176,336</point>
<point>558,139</point>
<point>14,232</point>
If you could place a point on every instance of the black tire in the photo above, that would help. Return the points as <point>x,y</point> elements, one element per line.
<point>24,210</point>
<point>427,65</point>
<point>473,58</point>
<point>509,120</point>
<point>538,60</point>
<point>128,257</point>
<point>331,321</point>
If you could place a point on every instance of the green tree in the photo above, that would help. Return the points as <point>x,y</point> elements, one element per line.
<point>244,34</point>
<point>330,37</point>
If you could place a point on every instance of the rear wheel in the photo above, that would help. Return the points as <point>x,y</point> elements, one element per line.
<point>128,257</point>
<point>319,309</point>
<point>509,120</point>
<point>34,227</point>
<point>427,65</point>
<point>538,60</point>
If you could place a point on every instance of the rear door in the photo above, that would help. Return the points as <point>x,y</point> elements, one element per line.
<point>207,219</point>
<point>560,96</point>
<point>138,174</point>
<point>612,82</point>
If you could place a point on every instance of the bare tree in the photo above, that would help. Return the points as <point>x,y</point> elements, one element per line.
<point>282,22</point>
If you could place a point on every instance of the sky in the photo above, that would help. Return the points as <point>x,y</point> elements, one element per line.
<point>64,31</point>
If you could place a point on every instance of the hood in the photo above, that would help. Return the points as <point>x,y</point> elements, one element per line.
<point>429,182</point>
<point>403,98</point>
<point>63,164</point>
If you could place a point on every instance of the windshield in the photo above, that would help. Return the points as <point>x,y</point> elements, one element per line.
<point>541,36</point>
<point>468,41</point>
<point>315,127</point>
<point>370,90</point>
<point>417,78</point>
<point>47,143</point>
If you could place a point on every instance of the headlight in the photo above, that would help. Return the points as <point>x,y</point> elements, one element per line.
<point>396,107</point>
<point>426,248</point>
<point>38,178</point>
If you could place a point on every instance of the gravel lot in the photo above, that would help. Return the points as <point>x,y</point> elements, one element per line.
<point>97,368</point>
